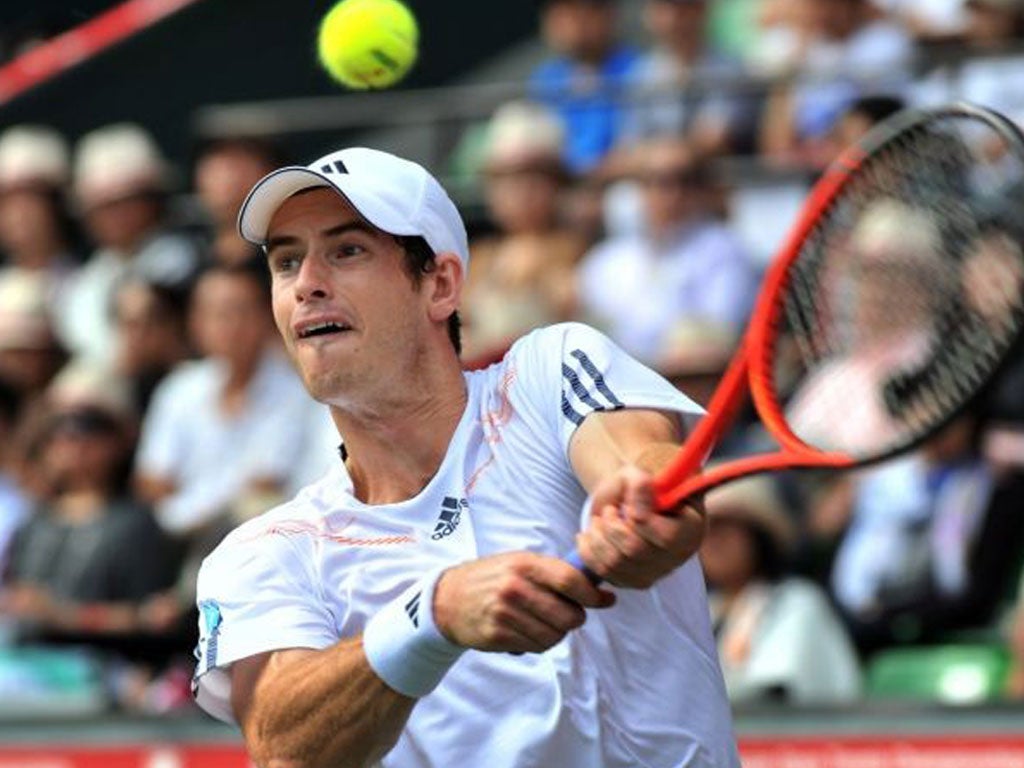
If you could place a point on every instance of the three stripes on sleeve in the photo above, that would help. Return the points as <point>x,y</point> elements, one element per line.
<point>584,388</point>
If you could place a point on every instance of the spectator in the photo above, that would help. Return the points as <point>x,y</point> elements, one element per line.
<point>891,243</point>
<point>242,400</point>
<point>522,276</point>
<point>225,171</point>
<point>843,49</point>
<point>30,354</point>
<point>859,118</point>
<point>778,637</point>
<point>121,185</point>
<point>89,555</point>
<point>681,87</point>
<point>150,337</point>
<point>35,228</point>
<point>785,30</point>
<point>694,355</point>
<point>1015,678</point>
<point>933,542</point>
<point>585,81</point>
<point>683,265</point>
<point>990,75</point>
<point>14,501</point>
<point>929,21</point>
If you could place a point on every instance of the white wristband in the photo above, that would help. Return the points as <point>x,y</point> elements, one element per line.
<point>403,644</point>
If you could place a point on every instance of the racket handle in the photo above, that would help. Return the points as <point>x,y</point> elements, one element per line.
<point>574,559</point>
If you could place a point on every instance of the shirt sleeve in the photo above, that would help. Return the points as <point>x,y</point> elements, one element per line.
<point>574,370</point>
<point>256,594</point>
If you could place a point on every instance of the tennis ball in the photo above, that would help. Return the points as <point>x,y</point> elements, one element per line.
<point>368,43</point>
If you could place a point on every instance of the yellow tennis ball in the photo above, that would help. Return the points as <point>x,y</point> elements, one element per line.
<point>368,43</point>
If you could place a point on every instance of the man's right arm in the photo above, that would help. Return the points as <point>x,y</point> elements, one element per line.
<point>307,708</point>
<point>302,708</point>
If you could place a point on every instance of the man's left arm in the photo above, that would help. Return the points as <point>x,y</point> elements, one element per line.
<point>628,541</point>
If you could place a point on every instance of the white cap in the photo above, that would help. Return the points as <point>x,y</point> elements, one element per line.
<point>33,154</point>
<point>396,196</point>
<point>116,161</point>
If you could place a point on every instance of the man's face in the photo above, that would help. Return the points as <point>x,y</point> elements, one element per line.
<point>523,200</point>
<point>28,220</point>
<point>124,223</point>
<point>149,336</point>
<point>579,29</point>
<point>229,318</point>
<point>669,193</point>
<point>669,22</point>
<point>347,309</point>
<point>223,179</point>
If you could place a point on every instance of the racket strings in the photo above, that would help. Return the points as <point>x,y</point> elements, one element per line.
<point>906,294</point>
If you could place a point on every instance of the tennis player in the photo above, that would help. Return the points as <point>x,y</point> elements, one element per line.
<point>412,606</point>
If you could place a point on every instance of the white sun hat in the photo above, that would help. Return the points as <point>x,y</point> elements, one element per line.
<point>33,154</point>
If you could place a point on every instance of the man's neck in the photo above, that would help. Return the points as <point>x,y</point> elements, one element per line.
<point>44,255</point>
<point>81,506</point>
<point>395,448</point>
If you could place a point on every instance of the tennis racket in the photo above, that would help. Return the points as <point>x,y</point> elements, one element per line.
<point>893,302</point>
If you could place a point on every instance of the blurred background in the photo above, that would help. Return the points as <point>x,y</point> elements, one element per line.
<point>632,164</point>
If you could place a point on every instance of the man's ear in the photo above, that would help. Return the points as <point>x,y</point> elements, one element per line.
<point>445,285</point>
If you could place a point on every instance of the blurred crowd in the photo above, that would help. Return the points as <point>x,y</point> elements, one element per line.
<point>146,406</point>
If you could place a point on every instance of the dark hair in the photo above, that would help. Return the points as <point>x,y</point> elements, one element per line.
<point>420,260</point>
<point>170,300</point>
<point>770,564</point>
<point>267,152</point>
<point>10,403</point>
<point>875,108</point>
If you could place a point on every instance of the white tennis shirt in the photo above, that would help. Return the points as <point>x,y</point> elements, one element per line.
<point>638,685</point>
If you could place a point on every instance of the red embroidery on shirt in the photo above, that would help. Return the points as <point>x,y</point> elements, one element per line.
<point>493,421</point>
<point>498,417</point>
<point>321,531</point>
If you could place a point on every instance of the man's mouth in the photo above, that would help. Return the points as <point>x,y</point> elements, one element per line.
<point>322,329</point>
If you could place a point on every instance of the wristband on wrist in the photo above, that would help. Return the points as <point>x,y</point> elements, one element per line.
<point>403,644</point>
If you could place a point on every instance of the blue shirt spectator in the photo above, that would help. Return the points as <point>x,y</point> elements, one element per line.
<point>586,80</point>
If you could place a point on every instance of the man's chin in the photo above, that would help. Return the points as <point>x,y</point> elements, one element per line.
<point>323,386</point>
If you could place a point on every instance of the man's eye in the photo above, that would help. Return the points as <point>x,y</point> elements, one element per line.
<point>348,249</point>
<point>284,264</point>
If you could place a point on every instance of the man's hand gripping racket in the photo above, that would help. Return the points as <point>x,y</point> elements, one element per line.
<point>893,303</point>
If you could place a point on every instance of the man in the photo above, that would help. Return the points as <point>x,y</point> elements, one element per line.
<point>686,86</point>
<point>241,400</point>
<point>845,50</point>
<point>522,272</point>
<point>35,229</point>
<point>225,170</point>
<point>683,265</point>
<point>412,605</point>
<point>586,77</point>
<point>89,556</point>
<point>121,187</point>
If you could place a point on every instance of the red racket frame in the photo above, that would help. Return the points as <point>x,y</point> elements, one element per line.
<point>751,367</point>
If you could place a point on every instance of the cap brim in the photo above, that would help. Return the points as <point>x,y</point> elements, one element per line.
<point>266,197</point>
<point>276,187</point>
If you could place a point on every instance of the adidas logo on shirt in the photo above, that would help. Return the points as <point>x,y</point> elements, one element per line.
<point>412,609</point>
<point>448,520</point>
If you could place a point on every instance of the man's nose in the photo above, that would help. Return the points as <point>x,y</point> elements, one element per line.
<point>312,278</point>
